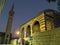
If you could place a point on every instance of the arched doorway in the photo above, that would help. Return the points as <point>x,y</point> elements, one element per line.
<point>36,27</point>
<point>28,31</point>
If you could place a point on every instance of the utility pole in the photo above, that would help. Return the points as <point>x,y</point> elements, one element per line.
<point>9,25</point>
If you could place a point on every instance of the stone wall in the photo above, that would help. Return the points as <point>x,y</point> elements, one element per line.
<point>51,37</point>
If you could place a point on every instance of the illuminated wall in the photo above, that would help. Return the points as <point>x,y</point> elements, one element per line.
<point>44,21</point>
<point>51,37</point>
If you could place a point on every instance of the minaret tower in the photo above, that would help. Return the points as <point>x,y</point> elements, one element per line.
<point>9,25</point>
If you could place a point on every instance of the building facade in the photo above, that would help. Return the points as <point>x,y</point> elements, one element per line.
<point>44,21</point>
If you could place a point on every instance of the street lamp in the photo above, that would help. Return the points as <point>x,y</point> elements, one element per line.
<point>17,33</point>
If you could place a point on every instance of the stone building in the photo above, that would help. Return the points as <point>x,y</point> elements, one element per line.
<point>46,20</point>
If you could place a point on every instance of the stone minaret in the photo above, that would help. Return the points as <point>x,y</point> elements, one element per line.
<point>9,25</point>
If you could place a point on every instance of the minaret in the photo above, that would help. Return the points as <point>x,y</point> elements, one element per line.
<point>9,25</point>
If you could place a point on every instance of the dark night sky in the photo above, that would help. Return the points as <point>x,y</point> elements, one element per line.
<point>24,11</point>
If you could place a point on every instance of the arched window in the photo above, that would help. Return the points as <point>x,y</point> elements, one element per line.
<point>28,31</point>
<point>36,27</point>
<point>22,32</point>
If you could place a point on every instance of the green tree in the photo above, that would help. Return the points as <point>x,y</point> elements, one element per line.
<point>57,1</point>
<point>2,3</point>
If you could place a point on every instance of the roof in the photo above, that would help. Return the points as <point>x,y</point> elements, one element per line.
<point>46,10</point>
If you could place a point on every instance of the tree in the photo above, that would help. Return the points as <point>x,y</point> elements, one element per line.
<point>58,3</point>
<point>51,0</point>
<point>2,3</point>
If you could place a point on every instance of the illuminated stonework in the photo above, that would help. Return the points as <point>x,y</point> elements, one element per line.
<point>44,21</point>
